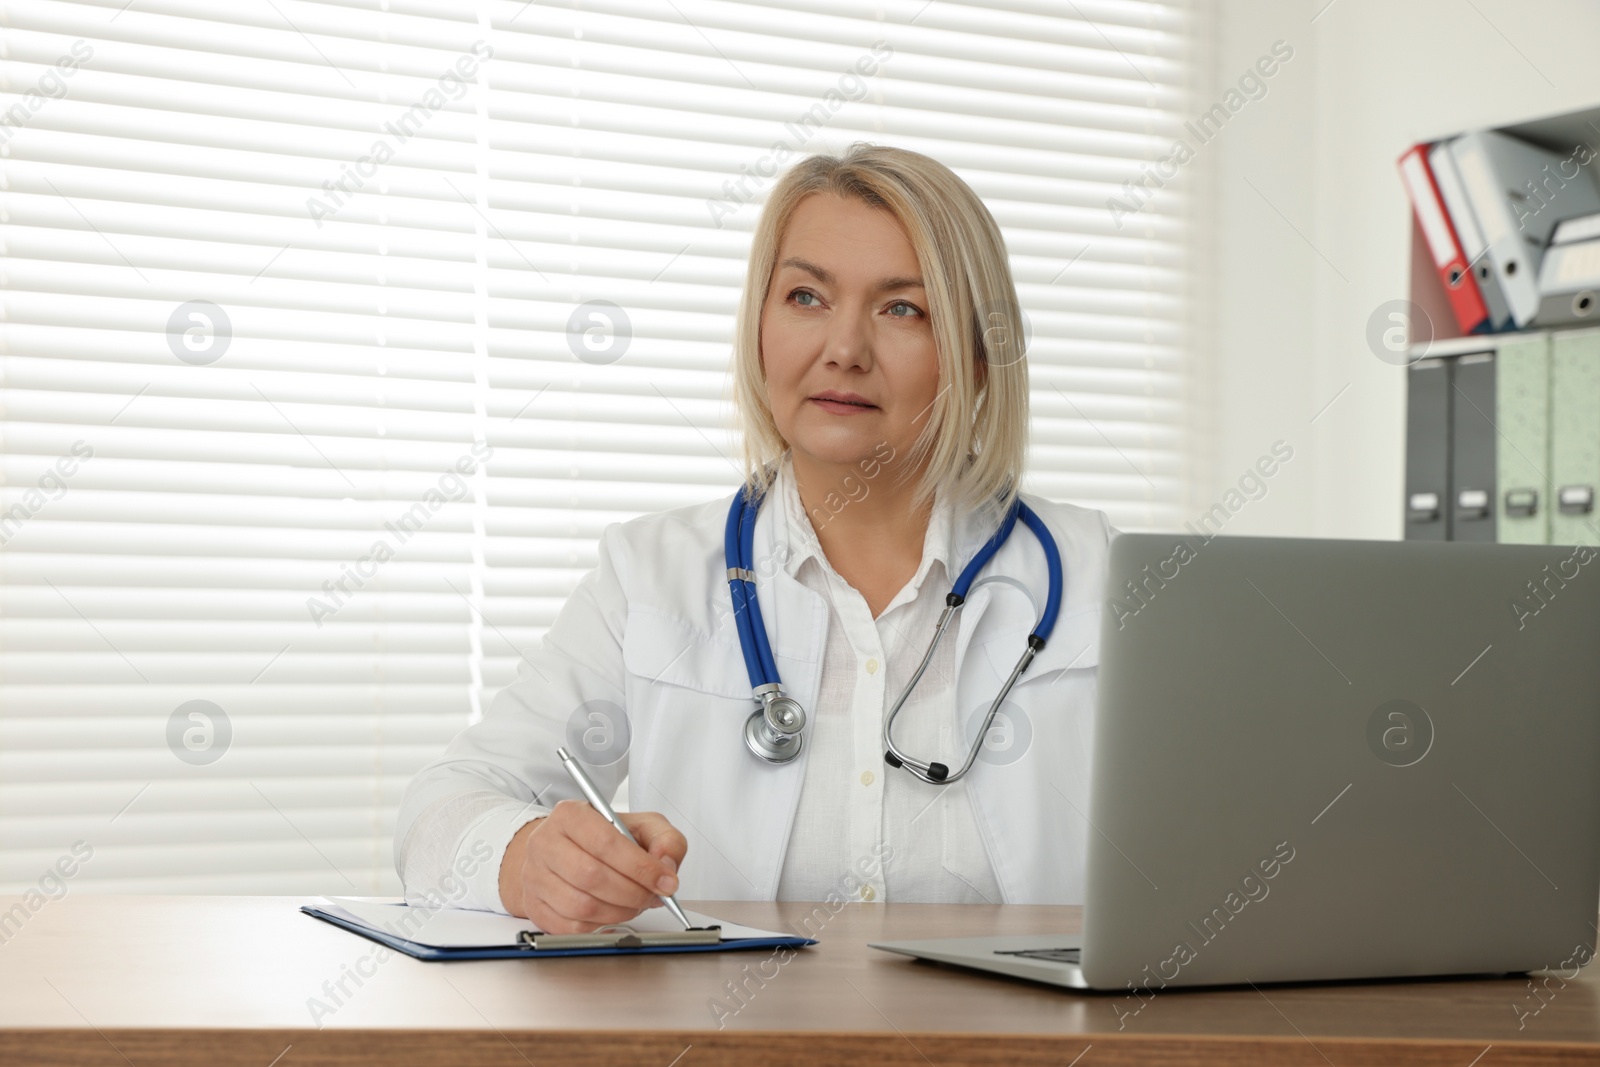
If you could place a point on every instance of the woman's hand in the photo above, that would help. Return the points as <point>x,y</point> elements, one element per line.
<point>571,872</point>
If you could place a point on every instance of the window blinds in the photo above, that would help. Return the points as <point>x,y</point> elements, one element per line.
<point>333,334</point>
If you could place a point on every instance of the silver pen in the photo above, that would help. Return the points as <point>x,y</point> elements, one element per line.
<point>592,795</point>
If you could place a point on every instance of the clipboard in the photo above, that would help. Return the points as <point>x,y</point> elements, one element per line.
<point>438,934</point>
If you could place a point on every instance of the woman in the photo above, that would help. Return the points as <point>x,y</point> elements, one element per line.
<point>883,404</point>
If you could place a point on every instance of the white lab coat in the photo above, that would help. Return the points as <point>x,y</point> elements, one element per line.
<point>651,630</point>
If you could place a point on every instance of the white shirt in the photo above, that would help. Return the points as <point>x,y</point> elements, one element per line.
<point>851,801</point>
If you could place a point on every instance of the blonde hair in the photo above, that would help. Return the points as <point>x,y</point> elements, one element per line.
<point>975,439</point>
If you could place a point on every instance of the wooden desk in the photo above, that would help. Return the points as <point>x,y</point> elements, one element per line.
<point>235,980</point>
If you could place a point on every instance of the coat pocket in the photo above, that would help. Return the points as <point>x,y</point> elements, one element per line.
<point>661,649</point>
<point>690,698</point>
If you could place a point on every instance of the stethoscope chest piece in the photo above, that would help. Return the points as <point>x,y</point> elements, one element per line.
<point>773,731</point>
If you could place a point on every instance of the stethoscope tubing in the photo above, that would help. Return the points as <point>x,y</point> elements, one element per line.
<point>738,546</point>
<point>935,773</point>
<point>758,628</point>
<point>739,552</point>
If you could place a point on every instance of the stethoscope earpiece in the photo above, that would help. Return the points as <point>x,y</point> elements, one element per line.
<point>932,773</point>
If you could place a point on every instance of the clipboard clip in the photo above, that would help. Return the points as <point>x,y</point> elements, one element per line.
<point>621,935</point>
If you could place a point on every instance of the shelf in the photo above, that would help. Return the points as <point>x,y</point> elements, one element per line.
<point>1558,133</point>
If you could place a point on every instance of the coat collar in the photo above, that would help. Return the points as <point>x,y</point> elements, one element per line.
<point>1008,596</point>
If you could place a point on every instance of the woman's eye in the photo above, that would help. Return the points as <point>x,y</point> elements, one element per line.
<point>801,296</point>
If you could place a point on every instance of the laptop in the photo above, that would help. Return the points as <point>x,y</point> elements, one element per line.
<point>1318,760</point>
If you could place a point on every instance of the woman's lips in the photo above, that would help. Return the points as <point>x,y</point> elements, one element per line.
<point>839,407</point>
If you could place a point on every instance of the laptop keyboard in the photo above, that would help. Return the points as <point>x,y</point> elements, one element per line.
<point>1054,955</point>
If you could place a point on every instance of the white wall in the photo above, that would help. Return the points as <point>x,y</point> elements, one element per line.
<point>1368,78</point>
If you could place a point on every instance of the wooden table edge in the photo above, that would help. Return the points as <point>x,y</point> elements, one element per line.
<point>341,1047</point>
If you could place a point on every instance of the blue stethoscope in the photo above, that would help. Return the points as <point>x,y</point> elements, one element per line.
<point>773,730</point>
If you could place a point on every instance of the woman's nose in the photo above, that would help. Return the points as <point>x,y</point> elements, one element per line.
<point>849,342</point>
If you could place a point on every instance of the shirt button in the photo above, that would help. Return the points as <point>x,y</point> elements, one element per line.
<point>867,893</point>
<point>872,666</point>
<point>866,777</point>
